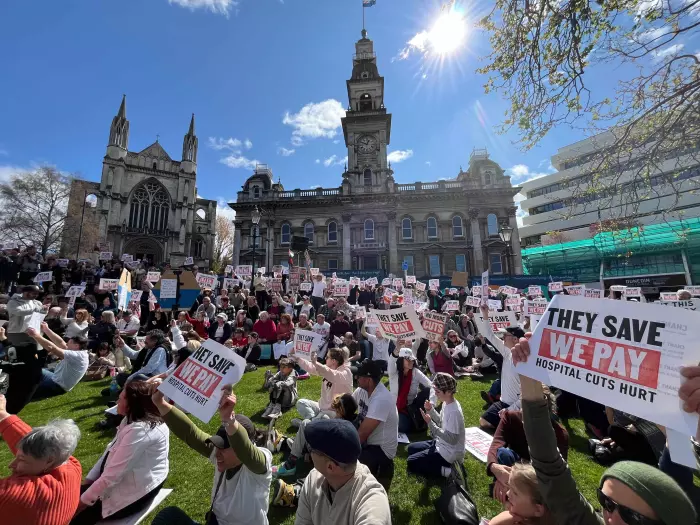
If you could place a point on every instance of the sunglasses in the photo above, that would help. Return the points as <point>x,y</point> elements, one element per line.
<point>629,516</point>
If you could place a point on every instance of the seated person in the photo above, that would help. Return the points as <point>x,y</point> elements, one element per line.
<point>74,362</point>
<point>435,457</point>
<point>77,325</point>
<point>132,469</point>
<point>242,472</point>
<point>128,326</point>
<point>405,380</point>
<point>44,481</point>
<point>252,351</point>
<point>524,503</point>
<point>220,330</point>
<point>266,329</point>
<point>439,358</point>
<point>343,405</point>
<point>53,319</point>
<point>149,361</point>
<point>239,339</point>
<point>100,363</point>
<point>357,497</point>
<point>282,387</point>
<point>337,379</point>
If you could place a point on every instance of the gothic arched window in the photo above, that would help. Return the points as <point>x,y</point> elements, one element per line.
<point>198,249</point>
<point>149,207</point>
<point>286,233</point>
<point>368,177</point>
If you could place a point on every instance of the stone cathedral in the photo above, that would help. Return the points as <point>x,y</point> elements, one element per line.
<point>147,204</point>
<point>369,224</point>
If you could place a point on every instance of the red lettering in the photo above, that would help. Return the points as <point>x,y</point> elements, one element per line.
<point>201,379</point>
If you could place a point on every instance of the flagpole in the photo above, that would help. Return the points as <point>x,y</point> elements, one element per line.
<point>363,15</point>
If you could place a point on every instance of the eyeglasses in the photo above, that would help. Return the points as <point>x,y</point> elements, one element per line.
<point>629,516</point>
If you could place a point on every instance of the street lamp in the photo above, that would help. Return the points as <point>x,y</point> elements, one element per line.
<point>255,216</point>
<point>505,233</point>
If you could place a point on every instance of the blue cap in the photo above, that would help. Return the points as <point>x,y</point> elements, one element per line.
<point>336,438</point>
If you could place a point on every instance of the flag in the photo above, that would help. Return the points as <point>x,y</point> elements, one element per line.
<point>307,258</point>
<point>124,289</point>
<point>291,259</point>
<point>368,3</point>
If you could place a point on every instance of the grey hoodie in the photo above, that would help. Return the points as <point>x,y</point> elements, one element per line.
<point>19,310</point>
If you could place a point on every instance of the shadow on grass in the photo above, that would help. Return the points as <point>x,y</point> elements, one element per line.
<point>576,441</point>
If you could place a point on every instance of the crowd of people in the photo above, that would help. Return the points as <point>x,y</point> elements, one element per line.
<point>373,388</point>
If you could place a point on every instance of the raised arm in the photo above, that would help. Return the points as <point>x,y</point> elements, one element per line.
<point>55,338</point>
<point>49,345</point>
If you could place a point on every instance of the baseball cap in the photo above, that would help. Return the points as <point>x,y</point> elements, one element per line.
<point>371,369</point>
<point>336,438</point>
<point>407,354</point>
<point>220,439</point>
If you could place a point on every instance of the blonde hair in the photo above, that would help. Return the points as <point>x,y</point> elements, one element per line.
<point>193,345</point>
<point>524,478</point>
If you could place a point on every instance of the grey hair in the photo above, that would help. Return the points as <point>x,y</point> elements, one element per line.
<point>55,440</point>
<point>108,316</point>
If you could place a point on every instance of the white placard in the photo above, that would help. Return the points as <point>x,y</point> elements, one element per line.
<point>451,306</point>
<point>205,280</point>
<point>397,283</point>
<point>625,355</point>
<point>168,289</point>
<point>354,281</point>
<point>153,277</point>
<point>477,443</point>
<point>341,289</point>
<point>420,286</point>
<point>576,289</point>
<point>230,283</point>
<point>244,271</point>
<point>228,269</point>
<point>75,291</point>
<point>669,296</point>
<point>262,270</point>
<point>43,277</point>
<point>434,284</point>
<point>386,281</point>
<point>401,323</point>
<point>306,287</point>
<point>35,321</point>
<point>472,301</point>
<point>105,256</point>
<point>485,284</point>
<point>136,296</point>
<point>500,320</point>
<point>403,438</point>
<point>314,271</point>
<point>495,304</point>
<point>617,288</point>
<point>632,291</point>
<point>434,325</point>
<point>535,307</point>
<point>189,261</point>
<point>694,290</point>
<point>534,290</point>
<point>372,281</point>
<point>593,293</point>
<point>688,304</point>
<point>109,284</point>
<point>556,287</point>
<point>410,279</point>
<point>305,342</point>
<point>196,384</point>
<point>62,262</point>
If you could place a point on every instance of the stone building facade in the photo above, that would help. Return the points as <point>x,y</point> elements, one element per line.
<point>372,223</point>
<point>147,203</point>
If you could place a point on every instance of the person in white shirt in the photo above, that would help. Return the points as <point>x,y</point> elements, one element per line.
<point>128,326</point>
<point>434,458</point>
<point>323,329</point>
<point>379,422</point>
<point>69,371</point>
<point>77,325</point>
<point>318,294</point>
<point>380,347</point>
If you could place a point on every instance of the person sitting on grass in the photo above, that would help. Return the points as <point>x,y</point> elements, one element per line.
<point>219,330</point>
<point>435,457</point>
<point>132,469</point>
<point>44,482</point>
<point>524,503</point>
<point>74,362</point>
<point>242,477</point>
<point>252,351</point>
<point>339,490</point>
<point>405,380</point>
<point>282,387</point>
<point>337,379</point>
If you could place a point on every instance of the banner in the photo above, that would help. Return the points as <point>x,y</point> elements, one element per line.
<point>305,342</point>
<point>576,289</point>
<point>593,293</point>
<point>500,320</point>
<point>109,284</point>
<point>410,279</point>
<point>153,277</point>
<point>105,256</point>
<point>688,304</point>
<point>43,277</point>
<point>244,271</point>
<point>625,355</point>
<point>401,323</point>
<point>205,281</point>
<point>451,306</point>
<point>196,384</point>
<point>168,289</point>
<point>434,325</point>
<point>556,287</point>
<point>477,443</point>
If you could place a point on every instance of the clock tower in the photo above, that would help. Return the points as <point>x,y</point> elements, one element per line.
<point>366,125</point>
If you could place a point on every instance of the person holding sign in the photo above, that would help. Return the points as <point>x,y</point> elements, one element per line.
<point>242,476</point>
<point>629,492</point>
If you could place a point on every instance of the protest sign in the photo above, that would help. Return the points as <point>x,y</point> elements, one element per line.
<point>127,258</point>
<point>230,282</point>
<point>556,287</point>
<point>75,291</point>
<point>43,277</point>
<point>576,289</point>
<point>341,290</point>
<point>451,306</point>
<point>168,289</point>
<point>420,286</point>
<point>617,288</point>
<point>245,270</point>
<point>535,307</point>
<point>485,284</point>
<point>229,269</point>
<point>189,261</point>
<point>472,301</point>
<point>294,279</point>
<point>632,291</point>
<point>434,284</point>
<point>276,284</point>
<point>434,325</point>
<point>388,295</point>
<point>477,443</point>
<point>476,292</point>
<point>205,280</point>
<point>688,304</point>
<point>534,290</point>
<point>136,296</point>
<point>453,291</point>
<point>153,277</point>
<point>624,355</point>
<point>410,279</point>
<point>510,290</point>
<point>105,256</point>
<point>109,284</point>
<point>403,438</point>
<point>196,384</point>
<point>354,281</point>
<point>593,293</point>
<point>386,281</point>
<point>459,278</point>
<point>305,287</point>
<point>694,290</point>
<point>397,283</point>
<point>401,323</point>
<point>500,320</point>
<point>495,304</point>
<point>62,262</point>
<point>314,271</point>
<point>277,269</point>
<point>669,296</point>
<point>35,321</point>
<point>512,301</point>
<point>372,281</point>
<point>305,342</point>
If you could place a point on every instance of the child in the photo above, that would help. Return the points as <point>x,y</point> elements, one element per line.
<point>282,387</point>
<point>100,363</point>
<point>525,504</point>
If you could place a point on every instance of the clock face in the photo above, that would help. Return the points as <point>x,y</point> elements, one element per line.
<point>367,144</point>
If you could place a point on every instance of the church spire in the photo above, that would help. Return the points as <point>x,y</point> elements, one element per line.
<point>189,148</point>
<point>122,108</point>
<point>119,130</point>
<point>191,131</point>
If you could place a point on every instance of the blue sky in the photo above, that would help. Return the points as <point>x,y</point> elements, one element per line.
<point>265,78</point>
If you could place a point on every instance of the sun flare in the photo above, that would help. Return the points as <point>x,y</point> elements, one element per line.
<point>448,33</point>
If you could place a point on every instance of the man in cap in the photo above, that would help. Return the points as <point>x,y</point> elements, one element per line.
<point>379,422</point>
<point>243,470</point>
<point>339,490</point>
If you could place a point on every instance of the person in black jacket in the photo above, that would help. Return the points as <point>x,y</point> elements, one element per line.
<point>252,352</point>
<point>220,327</point>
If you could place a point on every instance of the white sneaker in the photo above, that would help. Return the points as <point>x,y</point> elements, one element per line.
<point>268,410</point>
<point>276,411</point>
<point>296,422</point>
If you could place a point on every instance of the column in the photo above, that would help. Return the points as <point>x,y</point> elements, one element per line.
<point>269,248</point>
<point>476,243</point>
<point>394,265</point>
<point>347,254</point>
<point>515,242</point>
<point>236,257</point>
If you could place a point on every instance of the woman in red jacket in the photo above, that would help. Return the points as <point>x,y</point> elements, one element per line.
<point>44,487</point>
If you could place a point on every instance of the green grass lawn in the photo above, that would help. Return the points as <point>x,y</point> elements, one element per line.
<point>191,476</point>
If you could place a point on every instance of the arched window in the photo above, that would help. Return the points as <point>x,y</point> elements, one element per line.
<point>256,192</point>
<point>457,229</point>
<point>487,178</point>
<point>369,230</point>
<point>255,236</point>
<point>406,228</point>
<point>368,177</point>
<point>149,207</point>
<point>432,228</point>
<point>201,214</point>
<point>198,249</point>
<point>332,232</point>
<point>309,231</point>
<point>366,102</point>
<point>286,233</point>
<point>492,224</point>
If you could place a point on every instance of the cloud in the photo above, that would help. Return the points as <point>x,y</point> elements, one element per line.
<point>315,120</point>
<point>222,208</point>
<point>334,160</point>
<point>239,161</point>
<point>661,54</point>
<point>229,144</point>
<point>428,163</point>
<point>285,152</point>
<point>7,171</point>
<point>314,186</point>
<point>219,7</point>
<point>417,44</point>
<point>318,161</point>
<point>248,144</point>
<point>520,174</point>
<point>399,155</point>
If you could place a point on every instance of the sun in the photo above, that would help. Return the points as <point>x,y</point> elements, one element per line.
<point>448,33</point>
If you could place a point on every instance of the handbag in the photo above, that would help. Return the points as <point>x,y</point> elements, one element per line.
<point>455,505</point>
